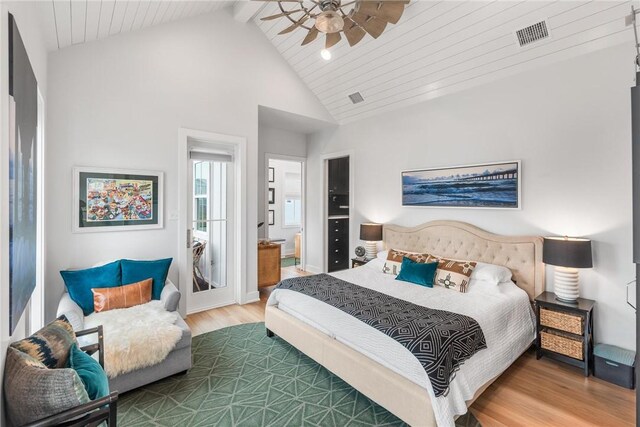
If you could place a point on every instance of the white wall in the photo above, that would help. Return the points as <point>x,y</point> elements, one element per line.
<point>273,140</point>
<point>32,37</point>
<point>279,230</point>
<point>119,102</point>
<point>570,125</point>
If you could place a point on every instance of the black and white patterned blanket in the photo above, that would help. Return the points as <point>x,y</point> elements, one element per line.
<point>440,340</point>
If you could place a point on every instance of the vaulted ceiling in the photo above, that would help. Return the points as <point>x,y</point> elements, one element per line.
<point>437,47</point>
<point>443,46</point>
<point>81,21</point>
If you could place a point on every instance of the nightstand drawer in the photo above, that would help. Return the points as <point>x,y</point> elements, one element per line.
<point>562,343</point>
<point>563,321</point>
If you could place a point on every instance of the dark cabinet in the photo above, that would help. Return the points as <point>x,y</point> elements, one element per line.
<point>338,187</point>
<point>339,176</point>
<point>338,244</point>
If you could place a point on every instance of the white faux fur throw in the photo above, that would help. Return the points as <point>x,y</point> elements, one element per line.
<point>136,337</point>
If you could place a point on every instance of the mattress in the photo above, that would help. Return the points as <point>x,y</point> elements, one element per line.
<point>503,312</point>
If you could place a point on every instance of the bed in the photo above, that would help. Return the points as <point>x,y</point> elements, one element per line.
<point>384,370</point>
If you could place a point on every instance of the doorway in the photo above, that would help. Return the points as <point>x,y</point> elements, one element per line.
<point>211,213</point>
<point>286,211</point>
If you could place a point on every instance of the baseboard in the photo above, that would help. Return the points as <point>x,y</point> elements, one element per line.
<point>312,269</point>
<point>250,297</point>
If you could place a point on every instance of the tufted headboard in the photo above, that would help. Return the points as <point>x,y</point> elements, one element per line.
<point>459,240</point>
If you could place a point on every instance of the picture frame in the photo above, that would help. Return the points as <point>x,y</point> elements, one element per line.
<point>272,196</point>
<point>110,199</point>
<point>272,174</point>
<point>272,217</point>
<point>495,185</point>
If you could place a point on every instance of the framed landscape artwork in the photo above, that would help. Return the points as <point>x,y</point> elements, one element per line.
<point>23,176</point>
<point>116,199</point>
<point>488,186</point>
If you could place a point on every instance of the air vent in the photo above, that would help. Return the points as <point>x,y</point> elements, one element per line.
<point>532,33</point>
<point>356,98</point>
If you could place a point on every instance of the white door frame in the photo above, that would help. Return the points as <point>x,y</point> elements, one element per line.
<point>324,207</point>
<point>303,194</point>
<point>187,138</point>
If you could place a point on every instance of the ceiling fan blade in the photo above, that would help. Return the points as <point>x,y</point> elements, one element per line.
<point>390,11</point>
<point>311,36</point>
<point>280,15</point>
<point>332,39</point>
<point>371,24</point>
<point>294,26</point>
<point>353,32</point>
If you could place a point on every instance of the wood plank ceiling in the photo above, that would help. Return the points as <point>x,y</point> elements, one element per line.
<point>81,21</point>
<point>443,46</point>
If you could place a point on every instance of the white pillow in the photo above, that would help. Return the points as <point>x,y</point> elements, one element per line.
<point>491,273</point>
<point>376,263</point>
<point>383,255</point>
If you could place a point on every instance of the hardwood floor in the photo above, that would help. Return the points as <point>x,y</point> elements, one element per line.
<point>530,393</point>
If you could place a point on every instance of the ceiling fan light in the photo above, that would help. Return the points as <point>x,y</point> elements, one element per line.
<point>325,54</point>
<point>329,21</point>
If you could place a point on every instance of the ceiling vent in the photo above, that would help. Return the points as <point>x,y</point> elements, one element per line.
<point>532,33</point>
<point>356,98</point>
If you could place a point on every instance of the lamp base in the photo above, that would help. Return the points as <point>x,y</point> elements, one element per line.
<point>371,250</point>
<point>565,284</point>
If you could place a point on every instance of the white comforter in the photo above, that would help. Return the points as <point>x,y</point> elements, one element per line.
<point>504,314</point>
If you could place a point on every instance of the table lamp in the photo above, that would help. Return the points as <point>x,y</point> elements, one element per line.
<point>370,233</point>
<point>567,254</point>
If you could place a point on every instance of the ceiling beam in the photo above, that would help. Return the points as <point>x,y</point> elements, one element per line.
<point>245,10</point>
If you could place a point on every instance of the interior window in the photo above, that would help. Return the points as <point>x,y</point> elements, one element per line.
<point>292,200</point>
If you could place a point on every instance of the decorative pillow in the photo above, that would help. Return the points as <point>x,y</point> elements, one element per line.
<point>51,344</point>
<point>91,374</point>
<point>122,296</point>
<point>419,273</point>
<point>393,264</point>
<point>453,274</point>
<point>33,392</point>
<point>491,273</point>
<point>80,282</point>
<point>135,271</point>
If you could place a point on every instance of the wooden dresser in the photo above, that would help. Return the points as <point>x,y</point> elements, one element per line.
<point>268,264</point>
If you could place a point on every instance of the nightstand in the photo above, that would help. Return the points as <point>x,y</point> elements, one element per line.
<point>565,330</point>
<point>357,262</point>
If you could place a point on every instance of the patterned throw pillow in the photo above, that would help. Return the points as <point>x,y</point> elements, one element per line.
<point>33,392</point>
<point>453,274</point>
<point>51,344</point>
<point>393,264</point>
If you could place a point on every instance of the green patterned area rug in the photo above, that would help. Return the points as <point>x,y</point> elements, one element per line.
<point>240,377</point>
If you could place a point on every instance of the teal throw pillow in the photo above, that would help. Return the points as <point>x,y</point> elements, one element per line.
<point>417,272</point>
<point>90,372</point>
<point>135,271</point>
<point>80,282</point>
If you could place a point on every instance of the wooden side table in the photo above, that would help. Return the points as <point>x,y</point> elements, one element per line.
<point>565,330</point>
<point>357,262</point>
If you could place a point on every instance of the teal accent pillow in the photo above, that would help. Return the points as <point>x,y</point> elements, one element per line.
<point>417,272</point>
<point>80,282</point>
<point>135,271</point>
<point>90,372</point>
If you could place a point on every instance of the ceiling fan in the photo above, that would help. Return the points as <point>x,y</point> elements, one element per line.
<point>354,18</point>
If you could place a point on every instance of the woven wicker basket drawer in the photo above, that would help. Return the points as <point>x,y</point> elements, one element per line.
<point>563,321</point>
<point>562,344</point>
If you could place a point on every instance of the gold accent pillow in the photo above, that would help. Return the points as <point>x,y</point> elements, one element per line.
<point>122,296</point>
<point>394,260</point>
<point>453,274</point>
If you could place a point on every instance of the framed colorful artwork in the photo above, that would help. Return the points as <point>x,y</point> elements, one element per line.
<point>116,200</point>
<point>483,186</point>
